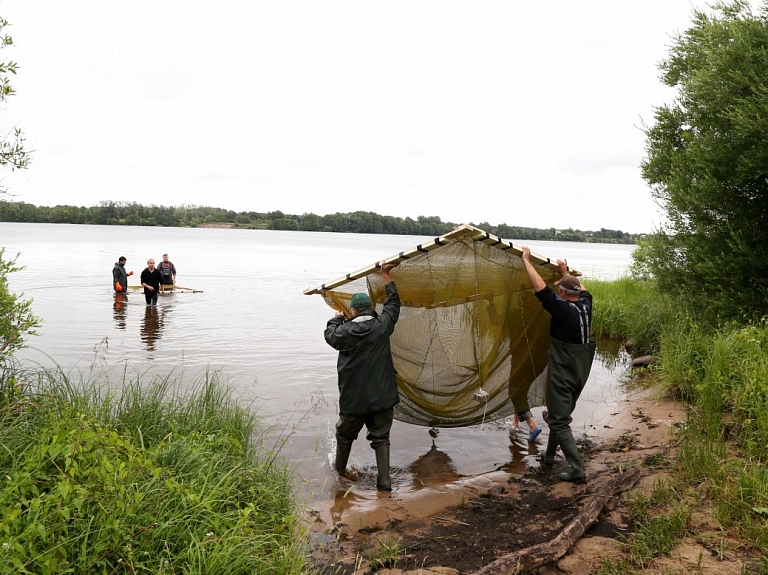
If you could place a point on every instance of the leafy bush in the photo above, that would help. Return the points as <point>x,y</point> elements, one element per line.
<point>139,481</point>
<point>16,317</point>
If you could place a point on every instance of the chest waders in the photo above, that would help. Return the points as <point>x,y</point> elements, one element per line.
<point>569,367</point>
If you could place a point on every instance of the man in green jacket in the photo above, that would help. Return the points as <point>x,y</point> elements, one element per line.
<point>367,384</point>
<point>120,276</point>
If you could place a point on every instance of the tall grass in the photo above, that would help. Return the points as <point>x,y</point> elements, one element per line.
<point>628,308</point>
<point>727,384</point>
<point>721,372</point>
<point>139,478</point>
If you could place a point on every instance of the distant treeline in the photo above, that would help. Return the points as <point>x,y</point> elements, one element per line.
<point>133,214</point>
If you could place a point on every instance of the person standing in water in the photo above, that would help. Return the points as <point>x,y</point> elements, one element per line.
<point>151,280</point>
<point>167,271</point>
<point>367,384</point>
<point>120,276</point>
<point>571,353</point>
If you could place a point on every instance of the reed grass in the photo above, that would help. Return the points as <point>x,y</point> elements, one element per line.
<point>140,477</point>
<point>631,309</point>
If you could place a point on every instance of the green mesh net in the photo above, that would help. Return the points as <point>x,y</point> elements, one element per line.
<point>471,342</point>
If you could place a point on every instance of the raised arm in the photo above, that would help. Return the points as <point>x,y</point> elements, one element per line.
<point>386,267</point>
<point>533,276</point>
<point>562,269</point>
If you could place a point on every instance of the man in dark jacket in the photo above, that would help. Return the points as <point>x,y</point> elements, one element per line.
<point>570,358</point>
<point>120,276</point>
<point>367,385</point>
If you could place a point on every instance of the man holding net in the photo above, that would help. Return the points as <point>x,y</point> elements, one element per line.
<point>570,358</point>
<point>367,385</point>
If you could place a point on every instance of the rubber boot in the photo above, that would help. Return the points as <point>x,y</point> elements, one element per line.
<point>383,481</point>
<point>572,456</point>
<point>549,455</point>
<point>342,456</point>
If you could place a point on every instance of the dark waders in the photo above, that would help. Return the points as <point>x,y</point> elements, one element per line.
<point>569,367</point>
<point>378,425</point>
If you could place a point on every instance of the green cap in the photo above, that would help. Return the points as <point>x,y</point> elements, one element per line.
<point>360,300</point>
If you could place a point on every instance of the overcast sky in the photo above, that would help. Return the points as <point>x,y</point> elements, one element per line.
<point>527,113</point>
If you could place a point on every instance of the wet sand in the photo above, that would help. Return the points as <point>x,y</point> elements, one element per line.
<point>436,486</point>
<point>459,526</point>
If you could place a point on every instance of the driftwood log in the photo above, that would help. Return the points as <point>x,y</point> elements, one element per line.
<point>642,361</point>
<point>535,556</point>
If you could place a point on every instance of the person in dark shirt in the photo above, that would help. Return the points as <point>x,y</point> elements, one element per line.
<point>367,384</point>
<point>570,358</point>
<point>167,271</point>
<point>151,280</point>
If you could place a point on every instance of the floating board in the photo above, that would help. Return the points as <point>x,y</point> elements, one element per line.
<point>173,288</point>
<point>472,340</point>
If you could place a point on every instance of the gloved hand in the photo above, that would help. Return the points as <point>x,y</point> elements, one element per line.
<point>130,273</point>
<point>118,287</point>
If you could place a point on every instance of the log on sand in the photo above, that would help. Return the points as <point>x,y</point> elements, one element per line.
<point>535,556</point>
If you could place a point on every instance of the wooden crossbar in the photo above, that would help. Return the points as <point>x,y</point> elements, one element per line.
<point>169,288</point>
<point>463,231</point>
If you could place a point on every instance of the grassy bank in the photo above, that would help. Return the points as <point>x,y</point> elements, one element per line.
<point>722,374</point>
<point>140,479</point>
<point>631,309</point>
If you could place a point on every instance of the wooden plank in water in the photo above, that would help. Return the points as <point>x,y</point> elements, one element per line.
<point>173,288</point>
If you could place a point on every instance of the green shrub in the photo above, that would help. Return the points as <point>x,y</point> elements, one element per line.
<point>140,480</point>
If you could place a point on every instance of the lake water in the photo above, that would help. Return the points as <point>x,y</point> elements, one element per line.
<point>252,321</point>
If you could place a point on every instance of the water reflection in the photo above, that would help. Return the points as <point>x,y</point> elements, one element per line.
<point>152,326</point>
<point>611,352</point>
<point>119,309</point>
<point>433,468</point>
<point>521,450</point>
<point>343,500</point>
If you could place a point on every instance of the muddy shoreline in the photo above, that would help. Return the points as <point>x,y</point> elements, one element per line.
<point>458,526</point>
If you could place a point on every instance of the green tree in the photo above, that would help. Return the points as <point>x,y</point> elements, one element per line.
<point>707,165</point>
<point>16,318</point>
<point>12,150</point>
<point>311,222</point>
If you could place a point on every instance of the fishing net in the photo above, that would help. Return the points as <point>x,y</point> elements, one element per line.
<point>472,339</point>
